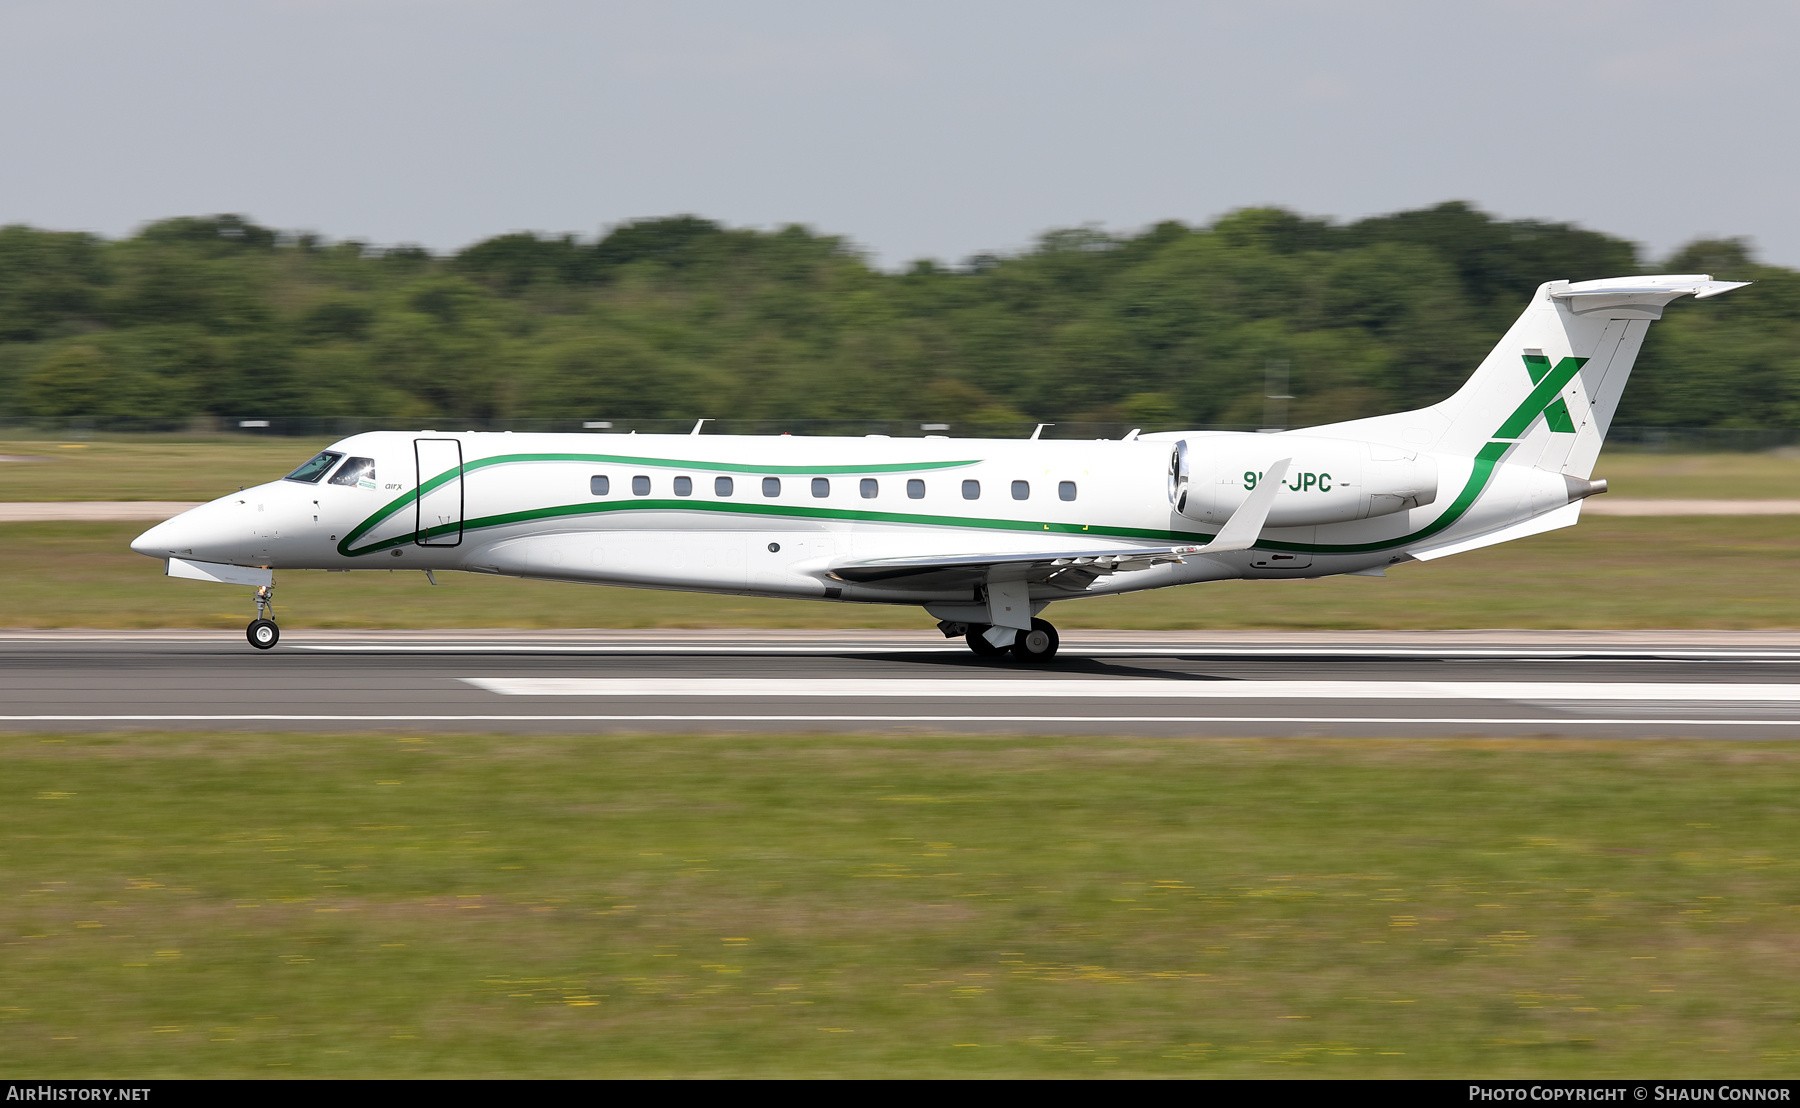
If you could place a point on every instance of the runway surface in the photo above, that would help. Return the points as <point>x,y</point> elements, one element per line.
<point>1429,684</point>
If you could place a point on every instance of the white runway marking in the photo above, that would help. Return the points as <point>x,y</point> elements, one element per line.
<point>987,688</point>
<point>1449,721</point>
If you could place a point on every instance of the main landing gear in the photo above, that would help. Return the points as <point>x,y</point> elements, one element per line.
<point>1036,645</point>
<point>262,631</point>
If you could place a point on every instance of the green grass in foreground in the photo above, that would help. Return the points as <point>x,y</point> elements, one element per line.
<point>1608,572</point>
<point>391,905</point>
<point>123,467</point>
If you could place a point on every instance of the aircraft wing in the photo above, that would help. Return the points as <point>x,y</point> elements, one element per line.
<point>1023,566</point>
<point>1074,569</point>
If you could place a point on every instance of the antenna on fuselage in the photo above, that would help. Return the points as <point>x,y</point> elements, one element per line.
<point>1040,429</point>
<point>698,423</point>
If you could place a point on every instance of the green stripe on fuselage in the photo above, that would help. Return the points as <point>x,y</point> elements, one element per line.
<point>401,501</point>
<point>1549,382</point>
<point>786,511</point>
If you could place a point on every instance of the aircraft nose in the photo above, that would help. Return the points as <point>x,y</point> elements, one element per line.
<point>195,532</point>
<point>162,540</point>
<point>145,542</point>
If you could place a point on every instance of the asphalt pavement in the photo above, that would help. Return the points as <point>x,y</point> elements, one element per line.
<point>1438,684</point>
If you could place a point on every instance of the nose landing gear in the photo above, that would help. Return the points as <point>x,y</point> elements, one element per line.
<point>262,631</point>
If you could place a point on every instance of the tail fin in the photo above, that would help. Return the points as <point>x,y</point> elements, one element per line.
<point>1549,389</point>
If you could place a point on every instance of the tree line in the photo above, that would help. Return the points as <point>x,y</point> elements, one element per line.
<point>683,317</point>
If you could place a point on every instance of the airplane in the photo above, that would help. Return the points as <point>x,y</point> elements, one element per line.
<point>983,534</point>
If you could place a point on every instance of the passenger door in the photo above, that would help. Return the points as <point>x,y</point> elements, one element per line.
<point>440,505</point>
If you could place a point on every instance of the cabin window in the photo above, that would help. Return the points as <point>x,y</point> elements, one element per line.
<point>1021,490</point>
<point>684,486</point>
<point>599,484</point>
<point>971,490</point>
<point>640,485</point>
<point>721,486</point>
<point>354,472</point>
<point>1065,490</point>
<point>771,486</point>
<point>871,488</point>
<point>315,467</point>
<point>821,486</point>
<point>915,489</point>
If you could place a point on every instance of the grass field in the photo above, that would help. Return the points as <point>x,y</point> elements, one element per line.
<point>390,904</point>
<point>1609,572</point>
<point>130,468</point>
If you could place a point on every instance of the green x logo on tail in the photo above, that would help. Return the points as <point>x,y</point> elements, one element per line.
<point>1549,381</point>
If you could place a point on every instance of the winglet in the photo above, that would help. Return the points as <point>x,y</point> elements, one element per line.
<point>1245,525</point>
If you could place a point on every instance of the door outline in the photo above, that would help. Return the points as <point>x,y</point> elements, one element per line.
<point>419,536</point>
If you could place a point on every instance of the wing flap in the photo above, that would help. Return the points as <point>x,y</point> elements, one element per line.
<point>1029,565</point>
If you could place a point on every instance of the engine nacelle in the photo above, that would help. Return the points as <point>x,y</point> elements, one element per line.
<point>1330,480</point>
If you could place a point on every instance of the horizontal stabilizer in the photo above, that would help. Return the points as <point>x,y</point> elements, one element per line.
<point>1635,297</point>
<point>1698,285</point>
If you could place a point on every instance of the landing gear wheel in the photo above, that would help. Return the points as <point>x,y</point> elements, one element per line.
<point>977,640</point>
<point>262,632</point>
<point>1037,645</point>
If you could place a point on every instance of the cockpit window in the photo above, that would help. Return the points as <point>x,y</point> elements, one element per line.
<point>315,468</point>
<point>356,471</point>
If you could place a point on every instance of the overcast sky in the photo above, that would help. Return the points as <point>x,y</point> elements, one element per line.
<point>916,129</point>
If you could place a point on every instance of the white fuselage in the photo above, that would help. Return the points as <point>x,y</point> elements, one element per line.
<point>771,516</point>
<point>982,532</point>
